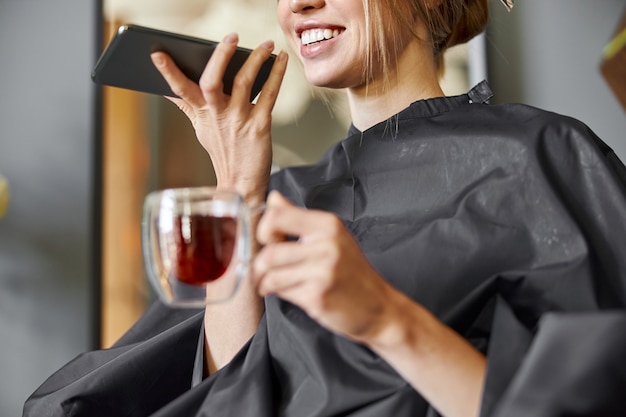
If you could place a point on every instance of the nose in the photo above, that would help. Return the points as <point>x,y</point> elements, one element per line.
<point>299,6</point>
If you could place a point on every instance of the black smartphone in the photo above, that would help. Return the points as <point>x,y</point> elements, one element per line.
<point>126,62</point>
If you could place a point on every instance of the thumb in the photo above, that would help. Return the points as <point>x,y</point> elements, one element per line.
<point>276,199</point>
<point>269,229</point>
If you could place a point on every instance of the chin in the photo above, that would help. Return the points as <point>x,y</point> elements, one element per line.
<point>327,80</point>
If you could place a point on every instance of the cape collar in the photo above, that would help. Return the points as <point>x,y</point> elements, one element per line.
<point>481,93</point>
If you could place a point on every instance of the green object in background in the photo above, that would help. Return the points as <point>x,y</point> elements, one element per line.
<point>4,196</point>
<point>615,45</point>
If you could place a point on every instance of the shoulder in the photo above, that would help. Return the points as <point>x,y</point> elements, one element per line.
<point>524,116</point>
<point>520,117</point>
<point>536,127</point>
<point>563,146</point>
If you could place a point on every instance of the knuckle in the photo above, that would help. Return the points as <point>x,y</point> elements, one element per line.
<point>332,255</point>
<point>242,80</point>
<point>181,90</point>
<point>269,282</point>
<point>316,308</point>
<point>263,231</point>
<point>271,216</point>
<point>210,86</point>
<point>266,285</point>
<point>269,92</point>
<point>334,224</point>
<point>260,130</point>
<point>178,90</point>
<point>270,255</point>
<point>324,282</point>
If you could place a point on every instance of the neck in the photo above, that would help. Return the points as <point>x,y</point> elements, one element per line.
<point>413,78</point>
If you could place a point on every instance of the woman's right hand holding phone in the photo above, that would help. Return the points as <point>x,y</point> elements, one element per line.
<point>237,136</point>
<point>235,132</point>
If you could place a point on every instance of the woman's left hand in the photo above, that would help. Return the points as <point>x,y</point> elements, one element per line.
<point>324,271</point>
<point>326,274</point>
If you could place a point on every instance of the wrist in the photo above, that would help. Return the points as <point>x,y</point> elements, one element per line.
<point>252,199</point>
<point>252,192</point>
<point>399,326</point>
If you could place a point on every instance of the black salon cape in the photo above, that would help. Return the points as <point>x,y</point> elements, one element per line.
<point>507,222</point>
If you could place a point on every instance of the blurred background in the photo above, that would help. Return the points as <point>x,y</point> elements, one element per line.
<point>77,160</point>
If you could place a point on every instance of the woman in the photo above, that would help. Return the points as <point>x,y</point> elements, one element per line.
<point>449,257</point>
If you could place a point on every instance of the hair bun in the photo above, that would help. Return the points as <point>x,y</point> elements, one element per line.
<point>471,22</point>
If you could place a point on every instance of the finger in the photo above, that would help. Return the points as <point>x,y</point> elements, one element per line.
<point>269,92</point>
<point>211,80</point>
<point>281,280</point>
<point>282,218</point>
<point>278,255</point>
<point>181,86</point>
<point>182,105</point>
<point>266,232</point>
<point>247,74</point>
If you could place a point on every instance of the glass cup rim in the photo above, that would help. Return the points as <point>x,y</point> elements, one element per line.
<point>194,191</point>
<point>192,195</point>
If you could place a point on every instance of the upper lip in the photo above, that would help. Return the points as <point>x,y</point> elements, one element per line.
<point>313,24</point>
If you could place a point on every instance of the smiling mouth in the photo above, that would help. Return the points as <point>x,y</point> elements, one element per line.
<point>312,36</point>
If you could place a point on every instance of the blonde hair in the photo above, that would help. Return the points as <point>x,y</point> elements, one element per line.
<point>448,23</point>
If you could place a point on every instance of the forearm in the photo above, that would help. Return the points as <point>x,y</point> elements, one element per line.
<point>229,325</point>
<point>440,364</point>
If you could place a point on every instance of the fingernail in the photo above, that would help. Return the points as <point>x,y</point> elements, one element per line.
<point>282,55</point>
<point>231,38</point>
<point>268,45</point>
<point>157,59</point>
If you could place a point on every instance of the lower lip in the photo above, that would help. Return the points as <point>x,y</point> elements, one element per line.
<point>315,49</point>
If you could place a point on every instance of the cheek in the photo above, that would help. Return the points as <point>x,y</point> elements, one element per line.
<point>282,14</point>
<point>284,17</point>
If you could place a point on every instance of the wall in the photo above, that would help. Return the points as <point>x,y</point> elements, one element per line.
<point>547,54</point>
<point>47,126</point>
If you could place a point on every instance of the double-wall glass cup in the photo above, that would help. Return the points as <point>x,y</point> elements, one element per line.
<point>196,244</point>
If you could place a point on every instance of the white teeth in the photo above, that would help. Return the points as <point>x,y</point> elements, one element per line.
<point>317,35</point>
